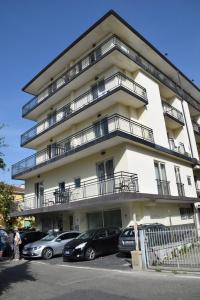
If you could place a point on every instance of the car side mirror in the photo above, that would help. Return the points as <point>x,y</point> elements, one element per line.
<point>58,240</point>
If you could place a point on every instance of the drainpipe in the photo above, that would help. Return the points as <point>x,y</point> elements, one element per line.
<point>179,79</point>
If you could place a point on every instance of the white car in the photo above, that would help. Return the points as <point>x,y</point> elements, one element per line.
<point>50,245</point>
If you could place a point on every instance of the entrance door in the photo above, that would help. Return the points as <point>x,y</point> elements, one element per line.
<point>39,194</point>
<point>105,171</point>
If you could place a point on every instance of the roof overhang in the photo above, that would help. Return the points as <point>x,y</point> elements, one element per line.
<point>111,22</point>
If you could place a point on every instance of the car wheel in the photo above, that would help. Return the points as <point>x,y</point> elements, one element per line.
<point>90,254</point>
<point>47,253</point>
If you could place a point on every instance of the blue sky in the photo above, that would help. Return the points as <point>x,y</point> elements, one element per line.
<point>33,32</point>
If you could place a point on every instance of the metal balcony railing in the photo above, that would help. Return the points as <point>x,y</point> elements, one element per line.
<point>163,187</point>
<point>111,84</point>
<point>101,129</point>
<point>173,112</point>
<point>196,127</point>
<point>181,190</point>
<point>95,55</point>
<point>96,187</point>
<point>178,147</point>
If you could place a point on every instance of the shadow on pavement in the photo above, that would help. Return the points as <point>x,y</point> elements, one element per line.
<point>91,295</point>
<point>13,274</point>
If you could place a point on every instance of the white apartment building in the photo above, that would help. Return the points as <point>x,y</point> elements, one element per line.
<point>116,135</point>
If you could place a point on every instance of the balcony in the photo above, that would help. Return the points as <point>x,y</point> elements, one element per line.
<point>181,190</point>
<point>178,147</point>
<point>76,70</point>
<point>102,131</point>
<point>97,187</point>
<point>113,43</point>
<point>173,117</point>
<point>126,91</point>
<point>196,128</point>
<point>163,187</point>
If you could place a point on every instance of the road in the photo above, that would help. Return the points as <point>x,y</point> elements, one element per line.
<point>29,280</point>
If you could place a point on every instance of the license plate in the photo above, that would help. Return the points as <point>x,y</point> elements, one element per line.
<point>128,242</point>
<point>67,252</point>
<point>25,252</point>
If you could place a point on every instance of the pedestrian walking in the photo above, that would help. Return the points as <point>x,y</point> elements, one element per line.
<point>10,240</point>
<point>17,242</point>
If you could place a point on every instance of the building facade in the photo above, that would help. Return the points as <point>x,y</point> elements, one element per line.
<point>116,135</point>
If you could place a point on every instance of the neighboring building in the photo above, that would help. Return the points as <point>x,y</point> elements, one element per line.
<point>18,193</point>
<point>114,135</point>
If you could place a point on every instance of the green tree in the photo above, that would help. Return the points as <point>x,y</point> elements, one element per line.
<point>6,204</point>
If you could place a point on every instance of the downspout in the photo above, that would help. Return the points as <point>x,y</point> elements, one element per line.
<point>179,79</point>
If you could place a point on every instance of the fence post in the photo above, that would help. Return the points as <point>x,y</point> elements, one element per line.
<point>143,248</point>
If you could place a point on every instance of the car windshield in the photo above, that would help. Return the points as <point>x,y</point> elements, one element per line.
<point>128,233</point>
<point>85,235</point>
<point>49,237</point>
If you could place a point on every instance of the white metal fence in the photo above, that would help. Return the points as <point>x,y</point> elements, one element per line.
<point>174,247</point>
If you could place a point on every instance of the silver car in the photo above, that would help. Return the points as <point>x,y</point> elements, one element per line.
<point>50,245</point>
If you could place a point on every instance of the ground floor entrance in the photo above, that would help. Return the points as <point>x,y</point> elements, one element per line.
<point>104,218</point>
<point>121,215</point>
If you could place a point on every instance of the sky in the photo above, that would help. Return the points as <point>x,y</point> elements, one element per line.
<point>33,32</point>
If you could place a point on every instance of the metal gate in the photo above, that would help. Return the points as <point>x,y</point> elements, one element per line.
<point>173,247</point>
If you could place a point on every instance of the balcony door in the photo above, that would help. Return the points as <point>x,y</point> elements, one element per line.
<point>161,178</point>
<point>105,175</point>
<point>52,150</point>
<point>98,89</point>
<point>51,118</point>
<point>101,128</point>
<point>39,194</point>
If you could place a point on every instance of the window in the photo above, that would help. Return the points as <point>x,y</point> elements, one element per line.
<point>64,237</point>
<point>177,173</point>
<point>101,128</point>
<point>113,231</point>
<point>61,186</point>
<point>189,180</point>
<point>100,234</point>
<point>98,89</point>
<point>186,213</point>
<point>77,182</point>
<point>161,178</point>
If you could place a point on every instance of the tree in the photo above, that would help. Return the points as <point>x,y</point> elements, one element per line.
<point>6,204</point>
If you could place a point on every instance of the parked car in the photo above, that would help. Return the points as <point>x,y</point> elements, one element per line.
<point>3,242</point>
<point>29,237</point>
<point>92,243</point>
<point>127,243</point>
<point>50,245</point>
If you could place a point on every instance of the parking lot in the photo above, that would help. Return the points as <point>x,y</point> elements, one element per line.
<point>114,261</point>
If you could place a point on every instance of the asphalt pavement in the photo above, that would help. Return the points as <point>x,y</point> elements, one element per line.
<point>39,279</point>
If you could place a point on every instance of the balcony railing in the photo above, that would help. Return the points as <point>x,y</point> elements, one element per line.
<point>163,187</point>
<point>98,53</point>
<point>97,187</point>
<point>178,147</point>
<point>196,127</point>
<point>181,190</point>
<point>111,84</point>
<point>173,112</point>
<point>101,129</point>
